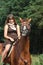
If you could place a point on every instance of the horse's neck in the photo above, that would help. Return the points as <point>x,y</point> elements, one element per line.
<point>27,44</point>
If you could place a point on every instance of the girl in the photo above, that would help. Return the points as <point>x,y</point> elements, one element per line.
<point>11,32</point>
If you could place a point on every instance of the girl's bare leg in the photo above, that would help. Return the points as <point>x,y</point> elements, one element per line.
<point>4,53</point>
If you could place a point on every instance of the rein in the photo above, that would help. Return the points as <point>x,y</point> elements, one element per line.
<point>11,48</point>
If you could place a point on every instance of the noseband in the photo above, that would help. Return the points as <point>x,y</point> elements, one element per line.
<point>24,30</point>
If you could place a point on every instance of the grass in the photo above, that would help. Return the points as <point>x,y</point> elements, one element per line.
<point>36,60</point>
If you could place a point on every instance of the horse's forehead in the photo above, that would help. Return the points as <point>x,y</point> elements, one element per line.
<point>24,23</point>
<point>25,20</point>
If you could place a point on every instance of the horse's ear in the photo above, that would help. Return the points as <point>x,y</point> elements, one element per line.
<point>21,20</point>
<point>29,20</point>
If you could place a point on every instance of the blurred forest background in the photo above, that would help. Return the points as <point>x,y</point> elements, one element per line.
<point>25,9</point>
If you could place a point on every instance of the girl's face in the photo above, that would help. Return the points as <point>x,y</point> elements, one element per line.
<point>11,20</point>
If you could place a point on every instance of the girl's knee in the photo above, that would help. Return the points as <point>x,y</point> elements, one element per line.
<point>7,47</point>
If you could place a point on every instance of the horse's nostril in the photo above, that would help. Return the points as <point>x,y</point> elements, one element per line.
<point>25,61</point>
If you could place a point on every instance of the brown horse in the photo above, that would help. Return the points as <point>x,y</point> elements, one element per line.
<point>20,54</point>
<point>25,58</point>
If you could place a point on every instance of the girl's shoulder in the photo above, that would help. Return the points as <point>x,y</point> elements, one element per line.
<point>6,25</point>
<point>18,26</point>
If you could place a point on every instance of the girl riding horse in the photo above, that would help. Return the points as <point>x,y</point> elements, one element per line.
<point>11,32</point>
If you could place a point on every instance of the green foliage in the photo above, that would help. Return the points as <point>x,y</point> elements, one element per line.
<point>41,59</point>
<point>37,59</point>
<point>24,9</point>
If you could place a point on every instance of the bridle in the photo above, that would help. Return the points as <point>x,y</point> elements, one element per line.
<point>24,30</point>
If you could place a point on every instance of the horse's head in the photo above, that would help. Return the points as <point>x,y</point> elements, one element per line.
<point>25,26</point>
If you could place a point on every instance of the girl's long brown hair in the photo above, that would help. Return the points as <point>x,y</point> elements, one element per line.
<point>9,17</point>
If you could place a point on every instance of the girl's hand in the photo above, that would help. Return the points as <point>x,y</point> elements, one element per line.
<point>19,37</point>
<point>12,39</point>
